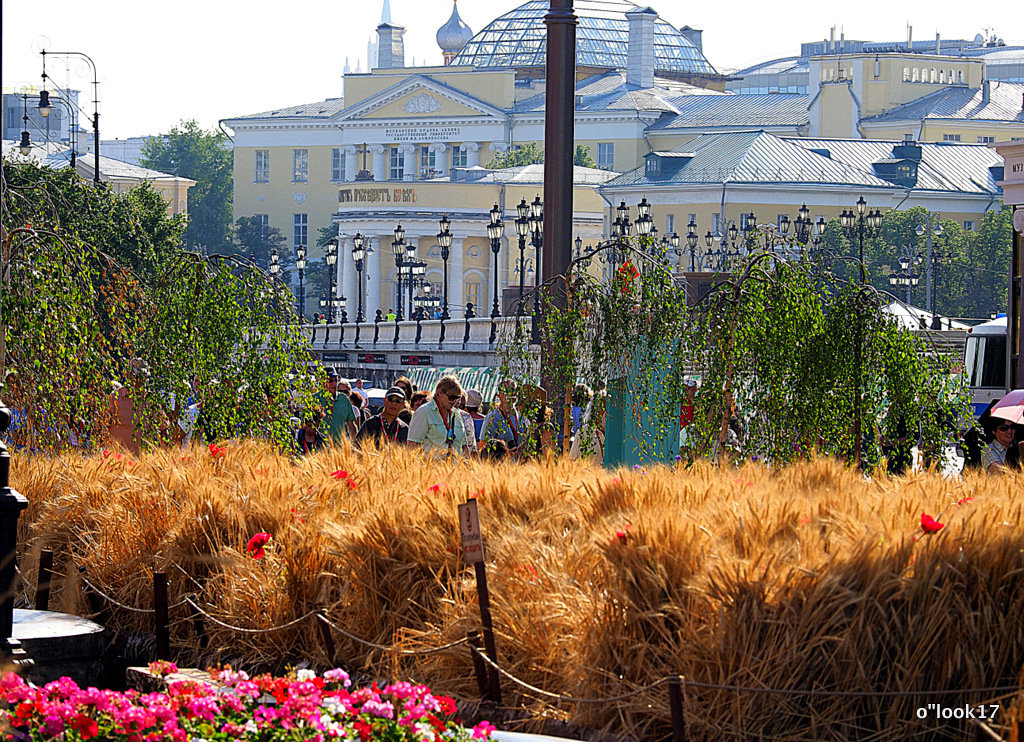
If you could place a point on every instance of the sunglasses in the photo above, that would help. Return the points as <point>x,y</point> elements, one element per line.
<point>1005,426</point>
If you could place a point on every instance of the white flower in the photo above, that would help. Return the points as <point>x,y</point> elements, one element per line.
<point>425,731</point>
<point>250,727</point>
<point>333,706</point>
<point>305,675</point>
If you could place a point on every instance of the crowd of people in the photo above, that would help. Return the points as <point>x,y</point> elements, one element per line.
<point>448,420</point>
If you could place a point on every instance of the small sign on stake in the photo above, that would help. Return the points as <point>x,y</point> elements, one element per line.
<point>469,525</point>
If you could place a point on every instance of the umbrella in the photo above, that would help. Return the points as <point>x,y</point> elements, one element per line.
<point>1010,407</point>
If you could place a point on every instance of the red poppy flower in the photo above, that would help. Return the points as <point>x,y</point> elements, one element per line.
<point>339,474</point>
<point>106,452</point>
<point>929,524</point>
<point>256,544</point>
<point>439,488</point>
<point>297,516</point>
<point>217,451</point>
<point>964,500</point>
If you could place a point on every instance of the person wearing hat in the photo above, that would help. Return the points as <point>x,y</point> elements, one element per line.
<point>994,455</point>
<point>473,401</point>
<point>336,407</point>
<point>387,427</point>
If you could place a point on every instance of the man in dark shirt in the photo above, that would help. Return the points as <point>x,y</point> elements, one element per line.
<point>386,426</point>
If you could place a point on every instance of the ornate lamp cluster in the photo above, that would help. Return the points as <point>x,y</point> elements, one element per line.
<point>859,225</point>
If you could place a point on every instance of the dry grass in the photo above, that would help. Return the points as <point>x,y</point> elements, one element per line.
<point>804,578</point>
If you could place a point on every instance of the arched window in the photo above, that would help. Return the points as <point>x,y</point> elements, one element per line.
<point>906,74</point>
<point>942,76</point>
<point>932,77</point>
<point>915,78</point>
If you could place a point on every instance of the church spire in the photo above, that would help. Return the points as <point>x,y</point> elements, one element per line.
<point>385,12</point>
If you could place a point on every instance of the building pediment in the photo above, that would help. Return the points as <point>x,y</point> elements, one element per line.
<point>420,97</point>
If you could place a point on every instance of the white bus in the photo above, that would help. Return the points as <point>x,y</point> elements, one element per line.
<point>985,362</point>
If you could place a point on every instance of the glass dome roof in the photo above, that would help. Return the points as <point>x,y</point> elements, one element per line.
<point>517,39</point>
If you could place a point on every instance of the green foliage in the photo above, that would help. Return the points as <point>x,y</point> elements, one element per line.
<point>75,318</point>
<point>582,157</point>
<point>787,352</point>
<point>203,156</point>
<point>969,280</point>
<point>254,237</point>
<point>527,154</point>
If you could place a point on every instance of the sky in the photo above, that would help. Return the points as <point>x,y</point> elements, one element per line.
<point>160,63</point>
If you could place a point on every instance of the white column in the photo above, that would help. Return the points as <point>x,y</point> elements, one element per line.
<point>352,164</point>
<point>411,165</point>
<point>373,277</point>
<point>456,288</point>
<point>472,153</point>
<point>347,277</point>
<point>499,147</point>
<point>440,151</point>
<point>380,162</point>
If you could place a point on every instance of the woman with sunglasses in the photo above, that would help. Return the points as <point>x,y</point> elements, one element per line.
<point>993,457</point>
<point>436,425</point>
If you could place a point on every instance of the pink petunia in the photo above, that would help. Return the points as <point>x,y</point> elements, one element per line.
<point>483,730</point>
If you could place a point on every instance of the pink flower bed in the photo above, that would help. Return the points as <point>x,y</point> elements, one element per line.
<point>233,708</point>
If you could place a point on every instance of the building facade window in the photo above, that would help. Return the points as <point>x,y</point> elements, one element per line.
<point>262,166</point>
<point>428,163</point>
<point>670,223</point>
<point>968,226</point>
<point>337,165</point>
<point>473,296</point>
<point>263,222</point>
<point>459,156</point>
<point>986,140</point>
<point>606,155</point>
<point>951,137</point>
<point>716,224</point>
<point>300,229</point>
<point>300,165</point>
<point>397,164</point>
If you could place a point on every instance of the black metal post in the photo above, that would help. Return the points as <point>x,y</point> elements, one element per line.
<point>360,317</point>
<point>43,580</point>
<point>495,310</point>
<point>11,504</point>
<point>559,133</point>
<point>522,273</point>
<point>161,625</point>
<point>470,314</point>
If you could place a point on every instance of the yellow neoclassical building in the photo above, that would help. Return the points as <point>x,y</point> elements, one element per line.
<point>412,144</point>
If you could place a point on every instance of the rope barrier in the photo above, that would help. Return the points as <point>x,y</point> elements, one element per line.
<point>1005,690</point>
<point>243,629</point>
<point>113,601</point>
<point>384,648</point>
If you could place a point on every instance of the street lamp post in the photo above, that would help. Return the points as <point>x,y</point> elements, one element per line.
<point>358,255</point>
<point>522,229</point>
<point>495,230</point>
<point>398,247</point>
<point>926,230</point>
<point>95,102</point>
<point>536,220</point>
<point>906,278</point>
<point>300,263</point>
<point>860,225</point>
<point>332,260</point>
<point>444,239</point>
<point>25,147</point>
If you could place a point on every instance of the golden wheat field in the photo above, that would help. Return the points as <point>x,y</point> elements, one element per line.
<point>751,580</point>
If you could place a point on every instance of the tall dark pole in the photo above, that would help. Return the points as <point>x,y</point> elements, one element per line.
<point>559,133</point>
<point>358,254</point>
<point>859,225</point>
<point>95,104</point>
<point>495,231</point>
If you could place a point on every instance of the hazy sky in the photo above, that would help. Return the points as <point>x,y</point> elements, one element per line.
<point>160,63</point>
